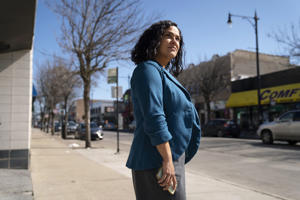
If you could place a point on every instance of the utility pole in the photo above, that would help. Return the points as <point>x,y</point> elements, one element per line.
<point>254,25</point>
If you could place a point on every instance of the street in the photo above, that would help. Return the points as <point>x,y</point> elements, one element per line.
<point>273,169</point>
<point>269,169</point>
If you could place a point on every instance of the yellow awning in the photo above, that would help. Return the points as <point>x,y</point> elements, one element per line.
<point>279,94</point>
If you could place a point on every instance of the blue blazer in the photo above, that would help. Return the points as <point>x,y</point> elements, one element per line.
<point>163,112</point>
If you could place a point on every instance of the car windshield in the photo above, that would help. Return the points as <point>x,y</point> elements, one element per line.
<point>297,116</point>
<point>92,125</point>
<point>220,122</point>
<point>287,117</point>
<point>230,122</point>
<point>72,123</point>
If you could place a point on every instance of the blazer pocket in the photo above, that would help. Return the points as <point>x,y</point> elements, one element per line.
<point>188,119</point>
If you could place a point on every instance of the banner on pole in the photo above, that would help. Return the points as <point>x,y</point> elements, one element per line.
<point>112,75</point>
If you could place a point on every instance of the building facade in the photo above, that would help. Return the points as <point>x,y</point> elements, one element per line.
<point>236,65</point>
<point>16,39</point>
<point>103,110</point>
<point>77,110</point>
<point>280,92</point>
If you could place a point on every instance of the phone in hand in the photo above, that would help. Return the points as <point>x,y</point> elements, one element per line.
<point>159,174</point>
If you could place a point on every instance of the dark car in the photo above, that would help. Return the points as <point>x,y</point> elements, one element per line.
<point>109,126</point>
<point>221,127</point>
<point>57,127</point>
<point>71,127</point>
<point>96,131</point>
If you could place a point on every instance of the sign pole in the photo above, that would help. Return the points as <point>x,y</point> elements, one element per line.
<point>113,77</point>
<point>118,144</point>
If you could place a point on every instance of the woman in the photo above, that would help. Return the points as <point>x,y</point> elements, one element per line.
<point>167,131</point>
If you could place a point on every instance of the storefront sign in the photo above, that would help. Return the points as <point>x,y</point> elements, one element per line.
<point>279,94</point>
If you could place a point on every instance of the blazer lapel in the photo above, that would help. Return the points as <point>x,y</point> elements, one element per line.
<point>173,79</point>
<point>169,76</point>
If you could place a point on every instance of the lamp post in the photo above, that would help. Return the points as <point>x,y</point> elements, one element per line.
<point>254,25</point>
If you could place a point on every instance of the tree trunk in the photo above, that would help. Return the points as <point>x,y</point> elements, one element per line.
<point>86,97</point>
<point>62,131</point>
<point>52,123</point>
<point>48,121</point>
<point>42,121</point>
<point>66,123</point>
<point>207,102</point>
<point>65,131</point>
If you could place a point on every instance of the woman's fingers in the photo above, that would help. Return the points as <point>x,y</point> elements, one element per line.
<point>169,180</point>
<point>168,176</point>
<point>174,182</point>
<point>164,180</point>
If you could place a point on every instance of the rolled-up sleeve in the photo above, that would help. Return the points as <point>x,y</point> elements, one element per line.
<point>147,89</point>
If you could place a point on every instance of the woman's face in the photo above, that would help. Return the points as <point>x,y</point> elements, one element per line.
<point>169,44</point>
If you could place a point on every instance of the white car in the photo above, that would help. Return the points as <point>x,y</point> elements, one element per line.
<point>132,125</point>
<point>285,128</point>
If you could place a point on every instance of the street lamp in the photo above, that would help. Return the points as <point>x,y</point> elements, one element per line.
<point>254,25</point>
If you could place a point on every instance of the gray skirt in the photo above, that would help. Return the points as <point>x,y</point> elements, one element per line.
<point>146,186</point>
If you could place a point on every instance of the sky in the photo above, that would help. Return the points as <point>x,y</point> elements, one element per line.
<point>203,25</point>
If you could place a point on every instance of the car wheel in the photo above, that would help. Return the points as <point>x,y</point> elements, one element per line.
<point>267,137</point>
<point>236,135</point>
<point>291,142</point>
<point>76,135</point>
<point>220,133</point>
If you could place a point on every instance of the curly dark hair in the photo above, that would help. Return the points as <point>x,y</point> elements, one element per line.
<point>147,46</point>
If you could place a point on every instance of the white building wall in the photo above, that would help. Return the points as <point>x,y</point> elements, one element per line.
<point>15,100</point>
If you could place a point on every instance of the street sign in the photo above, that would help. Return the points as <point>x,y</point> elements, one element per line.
<point>112,75</point>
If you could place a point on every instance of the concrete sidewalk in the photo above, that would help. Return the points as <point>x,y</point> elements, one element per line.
<point>61,172</point>
<point>15,184</point>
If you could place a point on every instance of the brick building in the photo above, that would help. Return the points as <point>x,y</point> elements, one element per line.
<point>236,65</point>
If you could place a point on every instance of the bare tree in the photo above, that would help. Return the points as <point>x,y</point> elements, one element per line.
<point>45,98</point>
<point>41,79</point>
<point>289,38</point>
<point>67,82</point>
<point>96,33</point>
<point>53,86</point>
<point>206,80</point>
<point>42,108</point>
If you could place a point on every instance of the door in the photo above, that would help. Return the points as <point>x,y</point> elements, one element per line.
<point>283,126</point>
<point>295,126</point>
<point>210,128</point>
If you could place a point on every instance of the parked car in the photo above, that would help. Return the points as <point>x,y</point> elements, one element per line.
<point>132,125</point>
<point>109,126</point>
<point>284,128</point>
<point>96,131</point>
<point>71,127</point>
<point>220,128</point>
<point>57,126</point>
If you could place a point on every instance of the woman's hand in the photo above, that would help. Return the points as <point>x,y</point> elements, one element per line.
<point>168,178</point>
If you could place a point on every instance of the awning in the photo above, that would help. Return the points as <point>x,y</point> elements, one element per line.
<point>279,94</point>
<point>34,92</point>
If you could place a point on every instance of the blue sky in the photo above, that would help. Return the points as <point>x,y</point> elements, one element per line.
<point>204,28</point>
